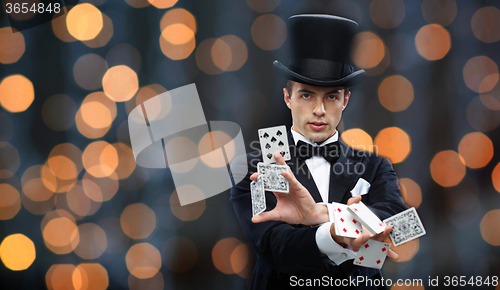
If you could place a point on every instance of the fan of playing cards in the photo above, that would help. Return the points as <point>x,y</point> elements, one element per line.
<point>272,140</point>
<point>349,220</point>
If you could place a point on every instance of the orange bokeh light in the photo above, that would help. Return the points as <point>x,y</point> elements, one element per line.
<point>143,260</point>
<point>10,201</point>
<point>481,74</point>
<point>120,83</point>
<point>476,149</point>
<point>489,227</point>
<point>100,159</point>
<point>190,211</point>
<point>162,4</point>
<point>495,177</point>
<point>387,14</point>
<point>10,160</point>
<point>12,45</point>
<point>218,139</point>
<point>138,221</point>
<point>411,192</point>
<point>395,93</point>
<point>84,21</point>
<point>59,277</point>
<point>93,241</point>
<point>178,15</point>
<point>441,12</point>
<point>447,168</point>
<point>269,32</point>
<point>357,139</point>
<point>16,93</point>
<point>486,24</point>
<point>368,50</point>
<point>433,42</point>
<point>177,34</point>
<point>90,276</point>
<point>221,254</point>
<point>393,143</point>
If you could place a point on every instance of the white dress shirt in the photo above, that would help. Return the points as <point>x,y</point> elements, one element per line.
<point>319,168</point>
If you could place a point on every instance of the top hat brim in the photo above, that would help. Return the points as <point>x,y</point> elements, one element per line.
<point>352,79</point>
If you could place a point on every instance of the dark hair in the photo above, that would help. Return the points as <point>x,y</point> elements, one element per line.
<point>289,87</point>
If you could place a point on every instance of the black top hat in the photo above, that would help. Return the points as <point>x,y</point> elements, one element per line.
<point>320,47</point>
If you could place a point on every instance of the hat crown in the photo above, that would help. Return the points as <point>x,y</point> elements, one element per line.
<point>320,36</point>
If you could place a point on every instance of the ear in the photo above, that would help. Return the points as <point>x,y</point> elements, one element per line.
<point>286,97</point>
<point>346,100</point>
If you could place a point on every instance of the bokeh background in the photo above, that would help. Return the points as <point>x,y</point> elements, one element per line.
<point>77,213</point>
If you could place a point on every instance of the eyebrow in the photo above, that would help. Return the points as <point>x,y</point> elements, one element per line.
<point>311,92</point>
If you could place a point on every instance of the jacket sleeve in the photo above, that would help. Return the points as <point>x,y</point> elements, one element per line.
<point>384,197</point>
<point>285,247</point>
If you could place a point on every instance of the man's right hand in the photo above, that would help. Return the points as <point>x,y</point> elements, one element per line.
<point>355,244</point>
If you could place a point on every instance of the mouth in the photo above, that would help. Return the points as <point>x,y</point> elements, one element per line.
<point>317,125</point>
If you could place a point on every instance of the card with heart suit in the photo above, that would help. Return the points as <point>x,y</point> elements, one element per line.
<point>258,196</point>
<point>406,226</point>
<point>366,217</point>
<point>274,140</point>
<point>346,224</point>
<point>272,178</point>
<point>372,254</point>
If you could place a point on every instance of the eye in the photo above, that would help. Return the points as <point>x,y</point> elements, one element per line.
<point>332,97</point>
<point>306,96</point>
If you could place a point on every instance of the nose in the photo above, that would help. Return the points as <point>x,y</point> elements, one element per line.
<point>319,108</point>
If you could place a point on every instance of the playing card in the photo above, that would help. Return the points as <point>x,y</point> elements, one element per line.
<point>366,217</point>
<point>258,196</point>
<point>346,225</point>
<point>272,178</point>
<point>372,254</point>
<point>406,226</point>
<point>274,140</point>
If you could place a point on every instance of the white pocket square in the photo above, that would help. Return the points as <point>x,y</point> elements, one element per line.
<point>361,188</point>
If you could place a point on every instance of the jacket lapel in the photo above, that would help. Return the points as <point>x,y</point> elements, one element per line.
<point>301,171</point>
<point>342,174</point>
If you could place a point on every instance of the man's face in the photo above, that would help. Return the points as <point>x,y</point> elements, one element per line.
<point>316,111</point>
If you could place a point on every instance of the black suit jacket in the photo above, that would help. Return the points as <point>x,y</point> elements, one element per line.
<point>285,250</point>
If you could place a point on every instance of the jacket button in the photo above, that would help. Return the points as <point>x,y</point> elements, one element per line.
<point>345,256</point>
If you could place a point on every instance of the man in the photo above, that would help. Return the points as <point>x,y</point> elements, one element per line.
<point>295,239</point>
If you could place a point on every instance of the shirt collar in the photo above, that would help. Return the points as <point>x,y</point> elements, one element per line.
<point>297,136</point>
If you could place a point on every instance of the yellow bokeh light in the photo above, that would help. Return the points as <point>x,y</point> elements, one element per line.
<point>447,168</point>
<point>393,143</point>
<point>17,252</point>
<point>395,93</point>
<point>138,221</point>
<point>100,159</point>
<point>84,128</point>
<point>387,14</point>
<point>96,115</point>
<point>411,192</point>
<point>143,260</point>
<point>120,83</point>
<point>90,276</point>
<point>481,74</point>
<point>162,4</point>
<point>476,149</point>
<point>10,201</point>
<point>433,42</point>
<point>60,232</point>
<point>84,21</point>
<point>216,140</point>
<point>368,50</point>
<point>269,32</point>
<point>12,45</point>
<point>179,254</point>
<point>190,211</point>
<point>221,254</point>
<point>489,227</point>
<point>16,93</point>
<point>63,167</point>
<point>177,34</point>
<point>486,24</point>
<point>178,15</point>
<point>104,35</point>
<point>59,25</point>
<point>357,139</point>
<point>177,52</point>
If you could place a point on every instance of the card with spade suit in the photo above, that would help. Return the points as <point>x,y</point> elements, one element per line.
<point>274,140</point>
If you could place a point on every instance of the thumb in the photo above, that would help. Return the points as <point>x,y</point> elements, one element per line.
<point>355,199</point>
<point>267,216</point>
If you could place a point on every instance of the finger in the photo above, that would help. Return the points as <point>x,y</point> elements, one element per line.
<point>355,199</point>
<point>383,235</point>
<point>292,181</point>
<point>393,255</point>
<point>359,241</point>
<point>279,159</point>
<point>254,176</point>
<point>266,216</point>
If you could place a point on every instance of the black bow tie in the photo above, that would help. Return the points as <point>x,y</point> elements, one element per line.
<point>330,152</point>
